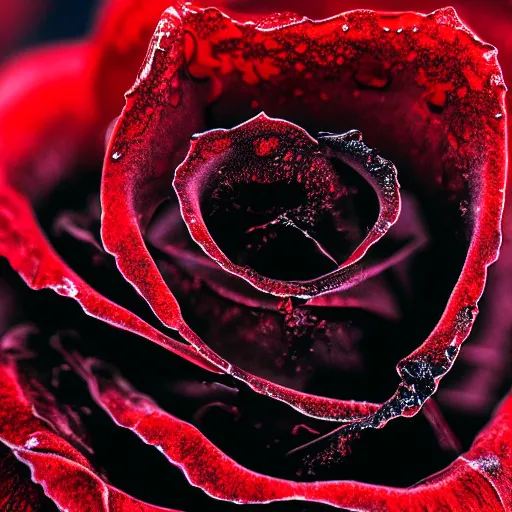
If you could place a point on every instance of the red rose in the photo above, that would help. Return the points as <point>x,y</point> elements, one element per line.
<point>301,204</point>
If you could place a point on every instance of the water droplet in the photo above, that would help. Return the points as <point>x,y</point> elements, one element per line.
<point>498,116</point>
<point>116,155</point>
<point>67,288</point>
<point>32,442</point>
<point>345,28</point>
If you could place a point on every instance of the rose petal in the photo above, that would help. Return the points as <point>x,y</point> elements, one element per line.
<point>33,258</point>
<point>206,467</point>
<point>121,36</point>
<point>34,158</point>
<point>17,491</point>
<point>65,474</point>
<point>38,145</point>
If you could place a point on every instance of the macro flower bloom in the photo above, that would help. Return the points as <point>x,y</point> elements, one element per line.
<point>285,211</point>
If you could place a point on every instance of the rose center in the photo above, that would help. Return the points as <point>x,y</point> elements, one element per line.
<point>286,212</point>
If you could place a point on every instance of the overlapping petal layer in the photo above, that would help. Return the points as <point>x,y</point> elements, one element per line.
<point>451,106</point>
